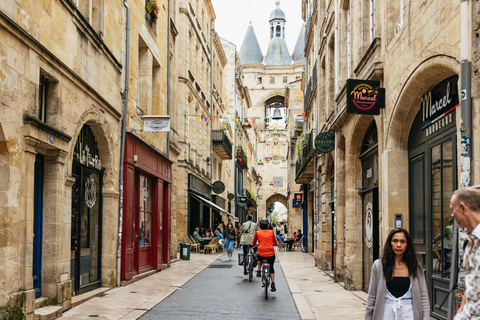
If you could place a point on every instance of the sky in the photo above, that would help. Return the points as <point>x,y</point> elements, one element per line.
<point>233,17</point>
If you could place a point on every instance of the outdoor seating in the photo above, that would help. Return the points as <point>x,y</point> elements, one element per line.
<point>220,245</point>
<point>195,245</point>
<point>212,246</point>
<point>281,244</point>
<point>298,244</point>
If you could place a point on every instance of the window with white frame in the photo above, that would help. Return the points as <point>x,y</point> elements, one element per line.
<point>372,20</point>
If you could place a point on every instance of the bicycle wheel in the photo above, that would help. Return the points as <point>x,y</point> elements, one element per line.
<point>267,284</point>
<point>250,269</point>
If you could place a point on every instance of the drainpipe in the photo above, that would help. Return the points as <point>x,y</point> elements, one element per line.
<point>122,152</point>
<point>465,128</point>
<point>168,73</point>
<point>212,33</point>
<point>235,139</point>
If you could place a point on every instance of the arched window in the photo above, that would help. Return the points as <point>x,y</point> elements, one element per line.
<point>371,138</point>
<point>278,31</point>
<point>283,32</point>
<point>271,33</point>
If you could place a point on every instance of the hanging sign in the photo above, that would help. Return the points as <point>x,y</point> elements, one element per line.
<point>365,97</point>
<point>297,199</point>
<point>156,123</point>
<point>241,199</point>
<point>325,142</point>
<point>218,187</point>
<point>230,196</point>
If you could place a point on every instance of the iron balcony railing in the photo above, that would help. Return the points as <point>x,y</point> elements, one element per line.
<point>242,158</point>
<point>305,154</point>
<point>221,141</point>
<point>312,82</point>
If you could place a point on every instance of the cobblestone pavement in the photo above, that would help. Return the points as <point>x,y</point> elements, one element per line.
<point>222,291</point>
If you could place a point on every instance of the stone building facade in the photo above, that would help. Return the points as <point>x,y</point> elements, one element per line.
<point>270,79</point>
<point>396,168</point>
<point>61,106</point>
<point>200,60</point>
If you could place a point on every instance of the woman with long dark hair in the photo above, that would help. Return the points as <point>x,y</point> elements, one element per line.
<point>229,240</point>
<point>397,284</point>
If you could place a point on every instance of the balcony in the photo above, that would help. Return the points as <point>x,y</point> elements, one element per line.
<point>312,82</point>
<point>242,159</point>
<point>304,165</point>
<point>222,145</point>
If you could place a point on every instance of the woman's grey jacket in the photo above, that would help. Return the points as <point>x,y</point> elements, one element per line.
<point>376,294</point>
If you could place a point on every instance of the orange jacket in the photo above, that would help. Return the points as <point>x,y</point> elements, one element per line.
<point>266,240</point>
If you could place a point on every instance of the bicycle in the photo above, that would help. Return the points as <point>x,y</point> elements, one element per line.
<point>249,263</point>
<point>266,277</point>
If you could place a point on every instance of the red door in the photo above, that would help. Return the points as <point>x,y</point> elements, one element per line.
<point>145,221</point>
<point>159,226</point>
<point>129,268</point>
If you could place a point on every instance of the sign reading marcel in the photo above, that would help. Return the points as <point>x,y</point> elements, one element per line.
<point>365,97</point>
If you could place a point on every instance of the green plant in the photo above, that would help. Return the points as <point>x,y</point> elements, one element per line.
<point>208,159</point>
<point>300,143</point>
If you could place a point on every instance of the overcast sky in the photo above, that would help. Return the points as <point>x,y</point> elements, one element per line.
<point>233,17</point>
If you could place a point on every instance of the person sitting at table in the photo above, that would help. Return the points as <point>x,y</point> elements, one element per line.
<point>209,233</point>
<point>202,232</point>
<point>288,242</point>
<point>198,237</point>
<point>295,236</point>
<point>218,234</point>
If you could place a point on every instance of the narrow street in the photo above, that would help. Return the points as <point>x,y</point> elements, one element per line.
<point>207,287</point>
<point>221,290</point>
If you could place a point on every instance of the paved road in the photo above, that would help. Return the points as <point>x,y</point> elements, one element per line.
<point>222,291</point>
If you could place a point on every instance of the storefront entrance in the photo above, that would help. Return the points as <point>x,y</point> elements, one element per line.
<point>432,180</point>
<point>146,213</point>
<point>369,192</point>
<point>86,227</point>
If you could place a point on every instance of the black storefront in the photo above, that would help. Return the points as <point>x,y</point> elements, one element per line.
<point>432,154</point>
<point>202,211</point>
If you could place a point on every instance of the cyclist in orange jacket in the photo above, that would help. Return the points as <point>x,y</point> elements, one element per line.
<point>266,241</point>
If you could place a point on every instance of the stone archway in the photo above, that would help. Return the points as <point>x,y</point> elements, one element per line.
<point>395,155</point>
<point>277,197</point>
<point>353,201</point>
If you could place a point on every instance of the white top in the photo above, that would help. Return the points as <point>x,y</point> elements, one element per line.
<point>398,308</point>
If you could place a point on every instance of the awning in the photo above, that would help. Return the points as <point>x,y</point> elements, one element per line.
<point>211,204</point>
<point>216,207</point>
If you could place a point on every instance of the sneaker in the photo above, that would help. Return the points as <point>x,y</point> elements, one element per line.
<point>272,288</point>
<point>259,273</point>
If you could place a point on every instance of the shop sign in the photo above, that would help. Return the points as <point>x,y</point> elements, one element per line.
<point>230,196</point>
<point>90,192</point>
<point>156,123</point>
<point>87,159</point>
<point>369,225</point>
<point>441,100</point>
<point>200,186</point>
<point>297,199</point>
<point>365,97</point>
<point>241,199</point>
<point>218,187</point>
<point>325,142</point>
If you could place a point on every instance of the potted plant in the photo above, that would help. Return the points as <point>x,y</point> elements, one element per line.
<point>152,8</point>
<point>208,159</point>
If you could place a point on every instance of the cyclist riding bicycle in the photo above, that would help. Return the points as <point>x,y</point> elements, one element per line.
<point>247,230</point>
<point>266,241</point>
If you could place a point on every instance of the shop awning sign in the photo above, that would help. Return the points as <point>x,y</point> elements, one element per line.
<point>218,187</point>
<point>325,142</point>
<point>156,123</point>
<point>365,97</point>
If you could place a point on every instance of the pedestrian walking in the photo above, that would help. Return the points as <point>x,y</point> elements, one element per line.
<point>397,284</point>
<point>247,231</point>
<point>229,240</point>
<point>465,205</point>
